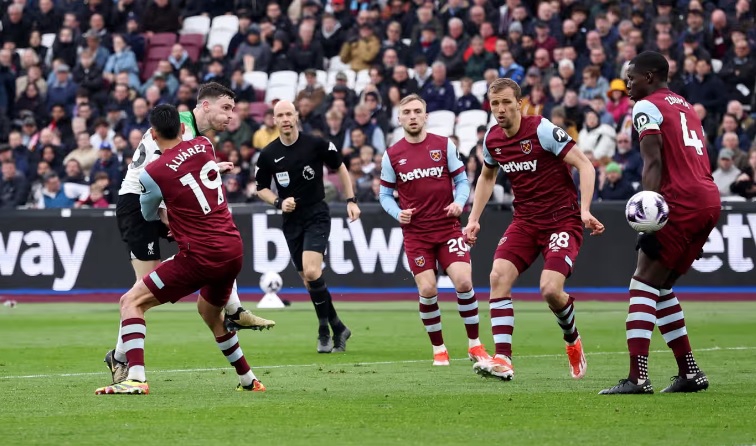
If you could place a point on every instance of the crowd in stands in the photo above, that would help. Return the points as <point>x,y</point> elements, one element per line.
<point>78,78</point>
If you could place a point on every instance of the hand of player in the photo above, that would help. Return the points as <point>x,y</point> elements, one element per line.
<point>405,215</point>
<point>353,211</point>
<point>225,167</point>
<point>471,232</point>
<point>453,210</point>
<point>288,205</point>
<point>592,223</point>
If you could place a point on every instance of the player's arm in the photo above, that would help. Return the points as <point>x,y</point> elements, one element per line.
<point>388,185</point>
<point>484,186</point>
<point>555,140</point>
<point>459,176</point>
<point>332,158</point>
<point>150,198</point>
<point>647,120</point>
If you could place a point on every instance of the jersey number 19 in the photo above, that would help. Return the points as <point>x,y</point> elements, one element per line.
<point>217,184</point>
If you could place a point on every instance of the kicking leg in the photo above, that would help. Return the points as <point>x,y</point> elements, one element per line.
<point>237,318</point>
<point>228,343</point>
<point>562,305</point>
<point>504,273</point>
<point>460,274</point>
<point>430,314</point>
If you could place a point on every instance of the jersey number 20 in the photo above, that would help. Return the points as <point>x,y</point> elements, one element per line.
<point>217,184</point>
<point>690,139</point>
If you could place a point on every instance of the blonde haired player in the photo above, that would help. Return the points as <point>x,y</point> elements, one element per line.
<point>419,166</point>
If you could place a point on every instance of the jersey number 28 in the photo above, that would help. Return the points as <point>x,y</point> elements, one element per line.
<point>217,184</point>
<point>690,139</point>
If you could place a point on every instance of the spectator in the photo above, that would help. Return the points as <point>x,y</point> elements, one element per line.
<point>89,76</point>
<point>84,153</point>
<point>336,132</point>
<point>14,187</point>
<point>32,102</point>
<point>593,85</point>
<point>619,102</point>
<point>361,52</point>
<point>730,124</point>
<point>138,120</point>
<point>479,61</point>
<point>237,132</point>
<point>103,133</point>
<point>331,36</point>
<point>532,104</point>
<point>253,54</point>
<point>312,90</point>
<point>451,56</point>
<point>73,173</point>
<point>630,160</point>
<point>48,20</point>
<point>394,42</point>
<point>726,173</point>
<point>179,59</point>
<point>600,139</point>
<point>160,16</point>
<point>267,133</point>
<point>122,60</point>
<point>95,198</point>
<point>738,73</point>
<point>509,68</point>
<point>306,52</point>
<point>467,101</point>
<point>558,117</point>
<point>706,88</point>
<point>95,46</point>
<point>745,183</point>
<point>438,93</point>
<point>16,26</point>
<point>56,195</point>
<point>62,90</point>
<point>108,163</point>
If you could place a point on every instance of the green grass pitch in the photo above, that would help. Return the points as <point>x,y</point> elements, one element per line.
<point>383,391</point>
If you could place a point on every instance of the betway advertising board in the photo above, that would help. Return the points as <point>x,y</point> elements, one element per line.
<point>82,250</point>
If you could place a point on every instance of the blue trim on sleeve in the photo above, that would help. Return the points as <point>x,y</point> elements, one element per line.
<point>150,198</point>
<point>388,202</point>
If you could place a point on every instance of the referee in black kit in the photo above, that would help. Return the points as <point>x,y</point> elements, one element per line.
<point>296,162</point>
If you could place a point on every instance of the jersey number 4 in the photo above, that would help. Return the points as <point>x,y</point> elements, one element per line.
<point>690,139</point>
<point>217,184</point>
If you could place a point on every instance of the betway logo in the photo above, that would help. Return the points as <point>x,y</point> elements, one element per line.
<point>730,243</point>
<point>422,173</point>
<point>35,253</point>
<point>371,249</point>
<point>519,167</point>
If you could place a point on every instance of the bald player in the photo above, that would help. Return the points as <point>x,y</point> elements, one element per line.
<point>295,162</point>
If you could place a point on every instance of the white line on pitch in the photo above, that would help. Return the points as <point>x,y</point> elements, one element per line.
<point>341,364</point>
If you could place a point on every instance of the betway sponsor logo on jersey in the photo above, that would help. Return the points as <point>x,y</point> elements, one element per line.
<point>183,155</point>
<point>41,253</point>
<point>524,166</point>
<point>433,172</point>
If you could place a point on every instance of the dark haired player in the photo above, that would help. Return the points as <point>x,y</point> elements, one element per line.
<point>676,165</point>
<point>187,177</point>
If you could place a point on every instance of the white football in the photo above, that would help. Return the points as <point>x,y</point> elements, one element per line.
<point>271,282</point>
<point>647,211</point>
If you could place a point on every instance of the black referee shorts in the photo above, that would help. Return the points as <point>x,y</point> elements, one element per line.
<point>307,229</point>
<point>141,236</point>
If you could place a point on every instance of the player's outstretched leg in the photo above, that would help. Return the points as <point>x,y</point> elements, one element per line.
<point>671,323</point>
<point>237,318</point>
<point>639,326</point>
<point>228,343</point>
<point>133,331</point>
<point>503,276</point>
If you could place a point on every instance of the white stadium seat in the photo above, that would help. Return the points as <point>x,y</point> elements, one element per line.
<point>362,79</point>
<point>257,79</point>
<point>283,78</point>
<point>321,76</point>
<point>442,118</point>
<point>280,92</point>
<point>396,135</point>
<point>335,64</point>
<point>457,88</point>
<point>226,22</point>
<point>472,118</point>
<point>198,24</point>
<point>220,37</point>
<point>479,89</point>
<point>48,40</point>
<point>350,74</point>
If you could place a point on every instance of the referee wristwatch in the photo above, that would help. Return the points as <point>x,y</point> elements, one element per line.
<point>277,203</point>
<point>352,200</point>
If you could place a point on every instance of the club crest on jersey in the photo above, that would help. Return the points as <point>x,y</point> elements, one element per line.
<point>420,261</point>
<point>435,155</point>
<point>526,146</point>
<point>282,178</point>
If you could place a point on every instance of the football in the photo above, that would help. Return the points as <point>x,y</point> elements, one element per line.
<point>647,211</point>
<point>271,282</point>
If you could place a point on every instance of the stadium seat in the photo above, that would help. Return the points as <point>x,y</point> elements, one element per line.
<point>350,74</point>
<point>225,22</point>
<point>257,110</point>
<point>396,135</point>
<point>257,79</point>
<point>48,40</point>
<point>148,69</point>
<point>441,122</point>
<point>468,137</point>
<point>158,53</point>
<point>162,39</point>
<point>491,120</point>
<point>479,89</point>
<point>198,24</point>
<point>335,64</point>
<point>220,37</point>
<point>407,42</point>
<point>280,92</point>
<point>457,88</point>
<point>283,78</point>
<point>472,118</point>
<point>193,44</point>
